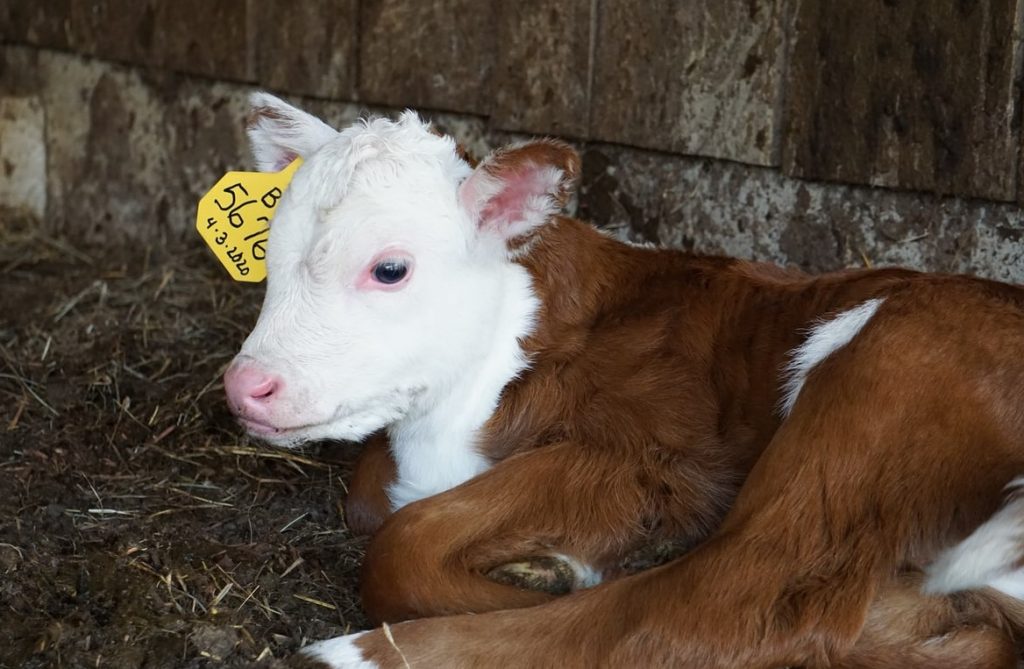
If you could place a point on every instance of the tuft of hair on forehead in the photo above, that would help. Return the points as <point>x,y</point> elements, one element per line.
<point>405,141</point>
<point>279,133</point>
<point>372,151</point>
<point>407,138</point>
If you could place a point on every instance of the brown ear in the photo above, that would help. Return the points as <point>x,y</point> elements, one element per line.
<point>518,188</point>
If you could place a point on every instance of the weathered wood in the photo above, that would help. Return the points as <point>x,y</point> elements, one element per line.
<point>716,206</point>
<point>542,70</point>
<point>207,38</point>
<point>437,54</point>
<point>194,36</point>
<point>123,30</point>
<point>45,23</point>
<point>307,47</point>
<point>699,77</point>
<point>912,94</point>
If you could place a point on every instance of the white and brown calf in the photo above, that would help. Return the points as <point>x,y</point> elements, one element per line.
<point>839,450</point>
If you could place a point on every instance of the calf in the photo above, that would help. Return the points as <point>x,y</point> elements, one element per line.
<point>543,394</point>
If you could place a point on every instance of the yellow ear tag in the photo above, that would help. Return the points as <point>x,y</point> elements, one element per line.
<point>234,219</point>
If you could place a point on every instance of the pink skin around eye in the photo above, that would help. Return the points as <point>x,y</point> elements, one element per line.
<point>366,280</point>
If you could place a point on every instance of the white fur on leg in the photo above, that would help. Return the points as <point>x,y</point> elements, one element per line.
<point>340,653</point>
<point>585,576</point>
<point>989,557</point>
<point>825,338</point>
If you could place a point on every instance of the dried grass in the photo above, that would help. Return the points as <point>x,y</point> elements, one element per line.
<point>137,526</point>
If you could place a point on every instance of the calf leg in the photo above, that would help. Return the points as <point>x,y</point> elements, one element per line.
<point>367,505</point>
<point>911,630</point>
<point>905,629</point>
<point>556,505</point>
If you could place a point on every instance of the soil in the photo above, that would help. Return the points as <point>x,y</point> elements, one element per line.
<point>138,526</point>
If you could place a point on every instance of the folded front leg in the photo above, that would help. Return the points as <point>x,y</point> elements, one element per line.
<point>367,505</point>
<point>459,551</point>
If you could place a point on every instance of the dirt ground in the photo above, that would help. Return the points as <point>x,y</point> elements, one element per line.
<point>138,526</point>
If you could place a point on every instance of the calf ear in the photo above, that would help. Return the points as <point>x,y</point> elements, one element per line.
<point>279,133</point>
<point>517,189</point>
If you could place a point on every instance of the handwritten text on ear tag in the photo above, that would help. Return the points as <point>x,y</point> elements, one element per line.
<point>234,219</point>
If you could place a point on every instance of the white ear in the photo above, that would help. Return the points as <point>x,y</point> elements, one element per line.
<point>279,133</point>
<point>518,188</point>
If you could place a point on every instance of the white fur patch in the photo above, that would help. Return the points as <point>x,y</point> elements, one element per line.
<point>340,653</point>
<point>989,557</point>
<point>436,449</point>
<point>585,575</point>
<point>825,339</point>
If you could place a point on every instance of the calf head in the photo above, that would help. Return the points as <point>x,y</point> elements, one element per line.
<point>388,270</point>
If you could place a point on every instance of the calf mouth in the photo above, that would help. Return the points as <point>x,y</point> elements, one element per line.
<point>345,424</point>
<point>258,429</point>
<point>283,437</point>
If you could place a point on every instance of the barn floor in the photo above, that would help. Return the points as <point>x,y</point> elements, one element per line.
<point>138,527</point>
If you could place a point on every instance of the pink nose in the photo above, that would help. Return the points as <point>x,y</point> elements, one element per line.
<point>250,390</point>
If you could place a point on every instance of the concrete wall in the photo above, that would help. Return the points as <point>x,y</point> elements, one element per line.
<point>823,135</point>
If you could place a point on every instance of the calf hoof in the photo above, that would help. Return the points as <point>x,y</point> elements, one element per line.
<point>545,573</point>
<point>652,555</point>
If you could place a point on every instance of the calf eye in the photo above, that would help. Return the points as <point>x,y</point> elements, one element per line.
<point>390,271</point>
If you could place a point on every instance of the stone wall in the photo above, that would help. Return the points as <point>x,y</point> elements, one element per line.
<point>818,134</point>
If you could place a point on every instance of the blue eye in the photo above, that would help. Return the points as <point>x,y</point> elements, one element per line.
<point>390,271</point>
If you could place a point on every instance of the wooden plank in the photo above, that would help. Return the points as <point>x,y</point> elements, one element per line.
<point>542,70</point>
<point>914,94</point>
<point>206,37</point>
<point>45,23</point>
<point>699,77</point>
<point>437,54</point>
<point>724,207</point>
<point>307,47</point>
<point>123,30</point>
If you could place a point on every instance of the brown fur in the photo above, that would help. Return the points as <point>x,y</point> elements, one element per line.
<point>650,413</point>
<point>367,504</point>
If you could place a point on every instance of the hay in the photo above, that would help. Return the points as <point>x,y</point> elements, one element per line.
<point>137,525</point>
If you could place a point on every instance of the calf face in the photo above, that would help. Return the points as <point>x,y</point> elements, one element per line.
<point>388,270</point>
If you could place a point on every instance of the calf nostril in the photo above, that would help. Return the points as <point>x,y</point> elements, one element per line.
<point>263,390</point>
<point>250,390</point>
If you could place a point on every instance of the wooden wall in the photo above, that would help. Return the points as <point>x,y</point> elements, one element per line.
<point>815,133</point>
<point>914,94</point>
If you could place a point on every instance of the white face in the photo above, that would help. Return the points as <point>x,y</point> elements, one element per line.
<point>372,297</point>
<point>384,279</point>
